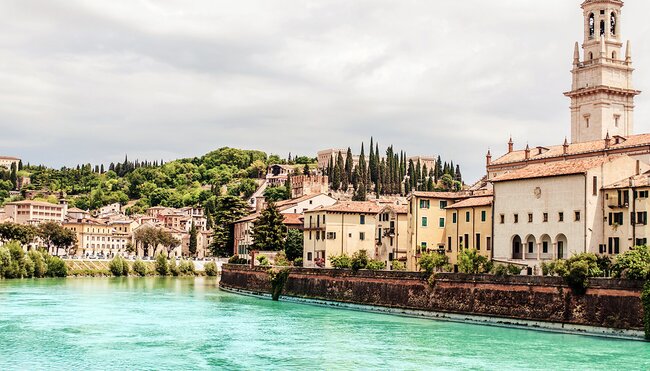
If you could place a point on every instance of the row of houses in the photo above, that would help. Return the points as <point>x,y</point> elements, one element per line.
<point>109,232</point>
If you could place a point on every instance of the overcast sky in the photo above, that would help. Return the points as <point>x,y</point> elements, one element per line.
<point>90,80</point>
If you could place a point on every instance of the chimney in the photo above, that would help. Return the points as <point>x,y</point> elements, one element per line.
<point>527,152</point>
<point>565,147</point>
<point>510,145</point>
<point>607,140</point>
<point>488,158</point>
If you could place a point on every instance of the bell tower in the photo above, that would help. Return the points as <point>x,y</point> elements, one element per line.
<point>602,95</point>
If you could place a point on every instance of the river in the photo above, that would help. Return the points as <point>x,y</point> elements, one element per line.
<point>189,324</point>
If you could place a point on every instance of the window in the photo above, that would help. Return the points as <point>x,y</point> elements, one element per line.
<point>441,223</point>
<point>453,218</point>
<point>317,235</point>
<point>467,217</point>
<point>309,256</point>
<point>643,194</point>
<point>545,215</point>
<point>516,218</point>
<point>362,236</point>
<point>331,235</point>
<point>488,243</point>
<point>530,217</point>
<point>424,204</point>
<point>560,216</point>
<point>616,218</point>
<point>443,204</point>
<point>531,247</point>
<point>592,25</point>
<point>362,219</point>
<point>311,221</point>
<point>641,242</point>
<point>477,244</point>
<point>423,246</point>
<point>594,185</point>
<point>467,241</point>
<point>613,245</point>
<point>424,221</point>
<point>483,215</point>
<point>642,217</point>
<point>449,243</point>
<point>503,218</point>
<point>545,247</point>
<point>577,216</point>
<point>323,219</point>
<point>310,235</point>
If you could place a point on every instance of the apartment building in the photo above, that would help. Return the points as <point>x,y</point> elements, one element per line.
<point>35,212</point>
<point>343,228</point>
<point>392,234</point>
<point>469,226</point>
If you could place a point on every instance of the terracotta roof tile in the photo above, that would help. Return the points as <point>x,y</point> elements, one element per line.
<point>293,219</point>
<point>556,168</point>
<point>574,149</point>
<point>444,195</point>
<point>352,207</point>
<point>642,180</point>
<point>473,202</point>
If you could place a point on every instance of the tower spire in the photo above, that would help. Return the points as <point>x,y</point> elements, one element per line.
<point>576,54</point>
<point>628,52</point>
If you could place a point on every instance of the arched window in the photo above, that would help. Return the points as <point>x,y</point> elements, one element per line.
<point>602,28</point>
<point>591,25</point>
<point>591,56</point>
<point>613,24</point>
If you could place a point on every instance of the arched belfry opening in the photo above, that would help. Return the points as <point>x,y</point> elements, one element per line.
<point>612,26</point>
<point>602,28</point>
<point>592,25</point>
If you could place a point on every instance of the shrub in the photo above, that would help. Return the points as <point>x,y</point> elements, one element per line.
<point>547,268</point>
<point>471,262</point>
<point>162,266</point>
<point>28,263</point>
<point>187,267</point>
<point>116,266</point>
<point>281,260</point>
<point>376,265</point>
<point>359,260</point>
<point>55,266</point>
<point>576,271</point>
<point>397,265</point>
<point>633,264</point>
<point>341,261</point>
<point>278,278</point>
<point>5,260</point>
<point>263,260</point>
<point>506,270</point>
<point>298,262</point>
<point>210,269</point>
<point>40,267</point>
<point>433,262</point>
<point>125,268</point>
<point>173,268</point>
<point>16,267</point>
<point>140,268</point>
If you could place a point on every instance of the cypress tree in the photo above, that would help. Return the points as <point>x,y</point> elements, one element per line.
<point>336,177</point>
<point>411,176</point>
<point>13,177</point>
<point>438,172</point>
<point>458,177</point>
<point>349,164</point>
<point>343,175</point>
<point>418,176</point>
<point>193,240</point>
<point>451,170</point>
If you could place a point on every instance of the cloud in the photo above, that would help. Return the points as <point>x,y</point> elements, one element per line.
<point>88,81</point>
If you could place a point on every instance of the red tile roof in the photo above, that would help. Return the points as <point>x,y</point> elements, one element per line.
<point>472,202</point>
<point>443,195</point>
<point>361,207</point>
<point>556,168</point>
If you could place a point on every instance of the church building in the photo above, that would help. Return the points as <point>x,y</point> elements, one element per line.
<point>550,201</point>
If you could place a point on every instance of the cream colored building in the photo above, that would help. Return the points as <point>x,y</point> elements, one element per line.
<point>428,161</point>
<point>7,162</point>
<point>626,205</point>
<point>392,235</point>
<point>35,212</point>
<point>344,228</point>
<point>555,210</point>
<point>469,226</point>
<point>100,237</point>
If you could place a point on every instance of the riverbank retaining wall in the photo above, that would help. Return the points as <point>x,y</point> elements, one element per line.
<point>608,303</point>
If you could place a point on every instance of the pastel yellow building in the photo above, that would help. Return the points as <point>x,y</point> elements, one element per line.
<point>427,221</point>
<point>343,228</point>
<point>469,225</point>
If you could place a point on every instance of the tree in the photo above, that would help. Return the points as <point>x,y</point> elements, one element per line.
<point>275,194</point>
<point>293,246</point>
<point>13,177</point>
<point>193,240</point>
<point>24,234</point>
<point>56,237</point>
<point>227,210</point>
<point>269,231</point>
<point>305,170</point>
<point>148,237</point>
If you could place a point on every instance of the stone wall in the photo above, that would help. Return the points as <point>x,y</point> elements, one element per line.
<point>608,303</point>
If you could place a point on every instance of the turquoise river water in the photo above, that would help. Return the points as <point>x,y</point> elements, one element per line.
<point>189,324</point>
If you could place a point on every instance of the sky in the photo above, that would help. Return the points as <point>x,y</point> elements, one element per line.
<point>88,81</point>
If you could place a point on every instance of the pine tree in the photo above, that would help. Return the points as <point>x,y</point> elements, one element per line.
<point>269,231</point>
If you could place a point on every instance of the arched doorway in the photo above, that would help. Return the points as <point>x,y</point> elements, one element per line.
<point>561,246</point>
<point>516,247</point>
